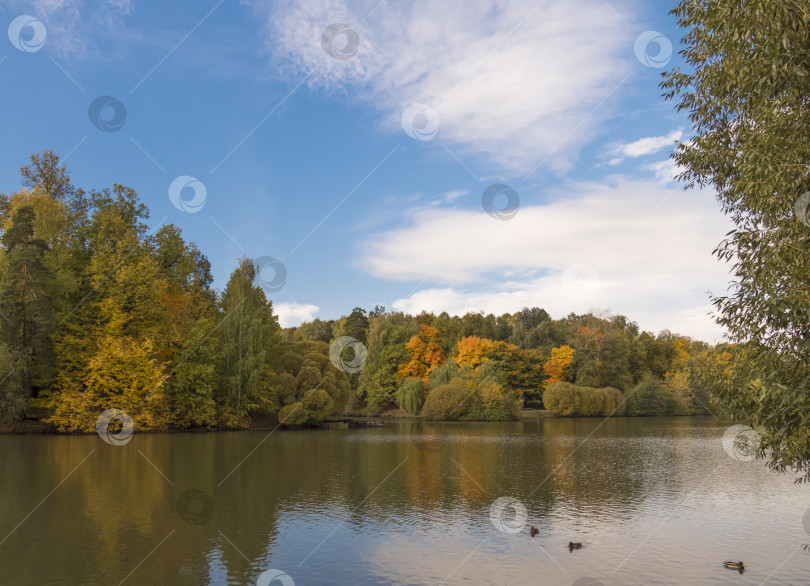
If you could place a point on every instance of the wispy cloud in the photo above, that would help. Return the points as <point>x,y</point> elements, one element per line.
<point>666,170</point>
<point>74,27</point>
<point>643,147</point>
<point>512,80</point>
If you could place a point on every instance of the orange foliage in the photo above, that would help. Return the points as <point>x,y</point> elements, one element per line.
<point>473,350</point>
<point>425,353</point>
<point>557,366</point>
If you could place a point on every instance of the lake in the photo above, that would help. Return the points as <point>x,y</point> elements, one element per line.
<point>653,501</point>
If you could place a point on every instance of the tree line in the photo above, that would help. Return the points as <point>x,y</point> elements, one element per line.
<point>480,366</point>
<point>98,313</point>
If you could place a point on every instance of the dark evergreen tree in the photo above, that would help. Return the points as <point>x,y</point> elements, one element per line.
<point>25,306</point>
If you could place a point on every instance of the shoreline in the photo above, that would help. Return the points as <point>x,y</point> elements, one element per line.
<point>33,424</point>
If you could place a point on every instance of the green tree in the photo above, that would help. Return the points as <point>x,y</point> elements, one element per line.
<point>354,325</point>
<point>317,330</point>
<point>25,306</point>
<point>566,399</point>
<point>524,323</point>
<point>299,369</point>
<point>249,332</point>
<point>410,395</point>
<point>14,383</point>
<point>652,397</point>
<point>379,379</point>
<point>745,92</point>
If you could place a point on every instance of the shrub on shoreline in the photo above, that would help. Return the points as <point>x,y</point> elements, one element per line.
<point>568,400</point>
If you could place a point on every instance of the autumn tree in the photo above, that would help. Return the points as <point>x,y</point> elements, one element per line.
<point>556,367</point>
<point>425,353</point>
<point>122,374</point>
<point>473,351</point>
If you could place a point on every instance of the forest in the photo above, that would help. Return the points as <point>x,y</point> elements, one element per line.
<point>97,313</point>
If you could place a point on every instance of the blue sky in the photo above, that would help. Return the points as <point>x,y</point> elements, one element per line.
<point>306,157</point>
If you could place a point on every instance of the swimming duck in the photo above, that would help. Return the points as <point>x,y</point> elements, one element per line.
<point>735,566</point>
<point>572,545</point>
<point>533,531</point>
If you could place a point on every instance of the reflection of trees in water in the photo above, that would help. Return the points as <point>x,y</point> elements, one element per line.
<point>116,508</point>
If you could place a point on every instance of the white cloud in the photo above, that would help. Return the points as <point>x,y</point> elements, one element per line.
<point>666,170</point>
<point>294,314</point>
<point>644,146</point>
<point>73,26</point>
<point>453,195</point>
<point>648,243</point>
<point>519,81</point>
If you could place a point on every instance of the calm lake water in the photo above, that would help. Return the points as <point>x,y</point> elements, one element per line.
<point>654,501</point>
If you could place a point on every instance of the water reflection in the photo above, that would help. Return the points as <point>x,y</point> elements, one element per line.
<point>654,500</point>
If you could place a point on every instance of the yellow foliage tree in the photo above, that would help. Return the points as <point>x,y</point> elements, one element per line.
<point>425,352</point>
<point>557,366</point>
<point>474,351</point>
<point>121,375</point>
